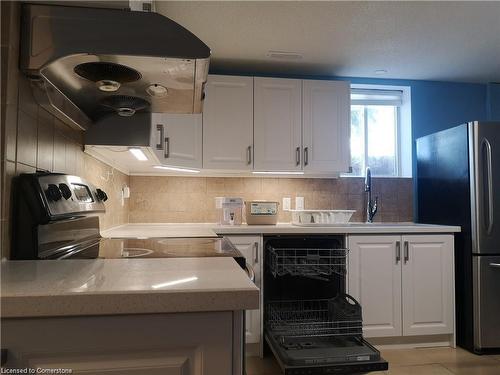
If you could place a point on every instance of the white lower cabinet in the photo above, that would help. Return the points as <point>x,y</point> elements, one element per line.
<point>162,344</point>
<point>251,248</point>
<point>405,284</point>
<point>375,281</point>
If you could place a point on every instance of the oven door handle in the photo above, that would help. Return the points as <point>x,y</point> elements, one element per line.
<point>250,272</point>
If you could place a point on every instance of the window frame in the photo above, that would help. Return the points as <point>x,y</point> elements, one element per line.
<point>402,132</point>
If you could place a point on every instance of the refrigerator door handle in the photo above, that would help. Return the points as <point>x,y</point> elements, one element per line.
<point>489,173</point>
<point>495,265</point>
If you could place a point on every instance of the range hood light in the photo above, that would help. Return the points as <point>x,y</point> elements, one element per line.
<point>176,169</point>
<point>138,153</point>
<point>157,91</point>
<point>277,172</point>
<point>107,85</point>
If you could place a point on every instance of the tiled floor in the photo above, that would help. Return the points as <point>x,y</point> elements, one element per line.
<point>435,361</point>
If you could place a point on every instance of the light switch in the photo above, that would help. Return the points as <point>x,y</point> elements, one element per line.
<point>299,203</point>
<point>287,203</point>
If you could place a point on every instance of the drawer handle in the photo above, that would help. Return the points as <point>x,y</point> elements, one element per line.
<point>495,265</point>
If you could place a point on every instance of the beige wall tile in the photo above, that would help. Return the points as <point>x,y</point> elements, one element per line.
<point>10,172</point>
<point>45,146</point>
<point>59,165</point>
<point>181,199</point>
<point>10,142</point>
<point>26,139</point>
<point>27,102</point>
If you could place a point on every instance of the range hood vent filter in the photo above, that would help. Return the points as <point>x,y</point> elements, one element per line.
<point>107,71</point>
<point>124,105</point>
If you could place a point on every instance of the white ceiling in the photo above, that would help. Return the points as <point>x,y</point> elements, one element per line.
<point>449,41</point>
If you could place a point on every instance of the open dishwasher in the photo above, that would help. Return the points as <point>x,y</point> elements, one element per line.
<point>311,325</point>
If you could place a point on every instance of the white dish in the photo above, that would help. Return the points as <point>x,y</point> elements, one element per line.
<point>321,217</point>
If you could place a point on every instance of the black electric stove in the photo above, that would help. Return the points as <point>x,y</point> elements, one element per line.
<point>56,217</point>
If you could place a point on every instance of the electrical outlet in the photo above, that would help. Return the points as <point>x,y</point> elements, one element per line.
<point>299,203</point>
<point>287,204</point>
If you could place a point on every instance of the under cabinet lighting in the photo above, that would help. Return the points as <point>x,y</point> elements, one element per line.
<point>138,153</point>
<point>278,172</point>
<point>176,169</point>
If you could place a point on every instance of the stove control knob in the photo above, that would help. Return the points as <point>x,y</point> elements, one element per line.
<point>65,191</point>
<point>101,195</point>
<point>53,193</point>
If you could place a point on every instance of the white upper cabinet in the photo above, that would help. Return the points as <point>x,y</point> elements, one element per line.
<point>277,124</point>
<point>177,139</point>
<point>325,126</point>
<point>228,123</point>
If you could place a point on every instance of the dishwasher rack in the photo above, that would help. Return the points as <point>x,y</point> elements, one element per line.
<point>324,318</point>
<point>317,263</point>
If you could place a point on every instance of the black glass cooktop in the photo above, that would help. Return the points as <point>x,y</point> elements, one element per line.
<point>169,248</point>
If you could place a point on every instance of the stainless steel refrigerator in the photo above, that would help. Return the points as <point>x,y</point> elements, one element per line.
<point>458,183</point>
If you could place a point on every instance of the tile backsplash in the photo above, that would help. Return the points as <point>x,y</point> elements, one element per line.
<point>192,199</point>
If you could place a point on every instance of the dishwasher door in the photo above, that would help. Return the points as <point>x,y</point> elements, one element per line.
<point>349,355</point>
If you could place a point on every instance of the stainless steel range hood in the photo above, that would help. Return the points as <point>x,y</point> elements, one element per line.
<point>90,64</point>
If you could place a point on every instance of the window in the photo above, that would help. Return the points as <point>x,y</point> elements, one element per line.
<point>380,131</point>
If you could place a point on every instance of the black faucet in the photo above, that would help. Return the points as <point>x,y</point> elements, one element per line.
<point>371,207</point>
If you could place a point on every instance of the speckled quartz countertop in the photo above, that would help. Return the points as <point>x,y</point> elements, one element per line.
<point>124,286</point>
<point>184,230</point>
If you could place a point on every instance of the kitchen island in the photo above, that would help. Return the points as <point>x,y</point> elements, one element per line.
<point>171,316</point>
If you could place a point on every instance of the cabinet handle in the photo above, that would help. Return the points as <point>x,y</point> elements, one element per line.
<point>249,155</point>
<point>406,252</point>
<point>167,147</point>
<point>306,156</point>
<point>256,252</point>
<point>161,130</point>
<point>398,252</point>
<point>297,156</point>
<point>495,265</point>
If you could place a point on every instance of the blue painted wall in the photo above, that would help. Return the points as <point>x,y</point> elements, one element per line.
<point>493,102</point>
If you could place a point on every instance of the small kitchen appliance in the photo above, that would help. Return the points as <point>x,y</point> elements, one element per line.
<point>261,212</point>
<point>230,210</point>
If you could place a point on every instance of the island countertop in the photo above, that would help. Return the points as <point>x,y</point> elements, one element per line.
<point>124,286</point>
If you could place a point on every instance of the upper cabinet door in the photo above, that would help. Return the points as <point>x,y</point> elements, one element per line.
<point>277,124</point>
<point>177,139</point>
<point>326,126</point>
<point>228,123</point>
